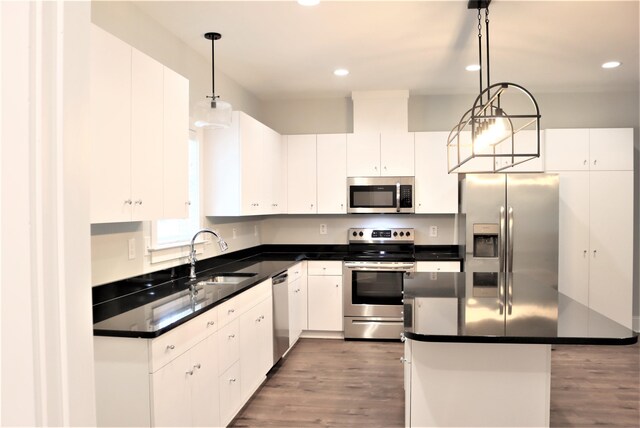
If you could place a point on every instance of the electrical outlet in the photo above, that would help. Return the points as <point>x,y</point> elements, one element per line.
<point>132,248</point>
<point>234,233</point>
<point>433,231</point>
<point>147,245</point>
<point>323,229</point>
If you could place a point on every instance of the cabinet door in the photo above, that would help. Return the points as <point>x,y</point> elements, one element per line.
<point>525,142</point>
<point>301,188</point>
<point>397,154</point>
<point>110,120</point>
<point>253,165</point>
<point>407,383</point>
<point>230,397</point>
<point>363,155</point>
<point>573,262</point>
<point>294,312</point>
<point>146,136</point>
<point>436,191</point>
<point>325,303</point>
<point>228,345</point>
<point>171,393</point>
<point>611,149</point>
<point>205,400</point>
<point>256,346</point>
<point>611,239</point>
<point>566,149</point>
<point>332,173</point>
<point>175,145</point>
<point>275,174</point>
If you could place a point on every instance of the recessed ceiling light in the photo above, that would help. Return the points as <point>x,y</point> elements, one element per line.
<point>341,72</point>
<point>308,2</point>
<point>472,67</point>
<point>611,64</point>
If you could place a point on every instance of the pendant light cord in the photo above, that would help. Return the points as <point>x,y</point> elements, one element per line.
<point>480,48</point>
<point>486,24</point>
<point>213,74</point>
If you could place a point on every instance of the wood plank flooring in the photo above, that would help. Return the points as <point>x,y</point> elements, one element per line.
<point>356,384</point>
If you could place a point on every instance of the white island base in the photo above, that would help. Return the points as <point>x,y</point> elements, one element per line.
<point>477,384</point>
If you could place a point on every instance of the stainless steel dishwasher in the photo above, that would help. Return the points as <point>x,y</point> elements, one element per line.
<point>280,286</point>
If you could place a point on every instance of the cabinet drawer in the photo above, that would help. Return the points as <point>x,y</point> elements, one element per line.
<point>230,394</point>
<point>451,266</point>
<point>324,267</point>
<point>204,325</point>
<point>228,345</point>
<point>170,345</point>
<point>295,272</point>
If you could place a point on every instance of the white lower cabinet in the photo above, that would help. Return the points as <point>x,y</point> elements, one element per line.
<point>325,296</point>
<point>444,266</point>
<point>297,302</point>
<point>256,346</point>
<point>182,393</point>
<point>198,374</point>
<point>230,393</point>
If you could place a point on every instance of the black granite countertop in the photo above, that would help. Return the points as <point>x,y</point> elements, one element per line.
<point>138,307</point>
<point>488,307</point>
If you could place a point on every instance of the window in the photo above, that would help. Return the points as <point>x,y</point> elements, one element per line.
<point>173,232</point>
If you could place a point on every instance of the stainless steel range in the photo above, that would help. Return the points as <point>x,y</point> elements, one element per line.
<point>373,275</point>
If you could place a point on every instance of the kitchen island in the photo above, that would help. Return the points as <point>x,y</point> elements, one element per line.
<point>479,346</point>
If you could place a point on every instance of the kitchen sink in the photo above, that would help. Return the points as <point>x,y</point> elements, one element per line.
<point>226,278</point>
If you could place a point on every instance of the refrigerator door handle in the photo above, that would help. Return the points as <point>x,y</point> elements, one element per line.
<point>398,197</point>
<point>501,296</point>
<point>509,293</point>
<point>501,245</point>
<point>510,240</point>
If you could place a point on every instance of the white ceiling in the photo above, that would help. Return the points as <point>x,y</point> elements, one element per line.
<point>279,49</point>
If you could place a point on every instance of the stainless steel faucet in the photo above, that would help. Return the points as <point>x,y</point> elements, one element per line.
<point>192,257</point>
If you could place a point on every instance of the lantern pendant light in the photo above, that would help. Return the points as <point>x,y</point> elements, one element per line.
<point>212,112</point>
<point>484,139</point>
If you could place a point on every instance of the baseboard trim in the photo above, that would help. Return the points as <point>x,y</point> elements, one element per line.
<point>322,334</point>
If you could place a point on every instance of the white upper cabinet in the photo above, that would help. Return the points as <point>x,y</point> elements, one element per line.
<point>110,114</point>
<point>611,149</point>
<point>525,142</point>
<point>589,149</point>
<point>436,191</point>
<point>301,174</point>
<point>375,154</point>
<point>175,148</point>
<point>139,120</point>
<point>332,173</point>
<point>397,154</point>
<point>363,155</point>
<point>243,169</point>
<point>147,161</point>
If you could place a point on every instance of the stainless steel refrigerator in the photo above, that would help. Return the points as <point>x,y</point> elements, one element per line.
<point>511,224</point>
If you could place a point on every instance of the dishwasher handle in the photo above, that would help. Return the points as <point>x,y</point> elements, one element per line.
<point>279,279</point>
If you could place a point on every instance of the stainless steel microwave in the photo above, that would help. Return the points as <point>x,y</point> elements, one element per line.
<point>380,195</point>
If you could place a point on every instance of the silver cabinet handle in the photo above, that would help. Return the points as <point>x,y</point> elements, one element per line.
<point>138,202</point>
<point>231,336</point>
<point>594,253</point>
<point>189,372</point>
<point>337,285</point>
<point>584,254</point>
<point>375,167</point>
<point>585,162</point>
<point>595,161</point>
<point>402,338</point>
<point>231,311</point>
<point>169,347</point>
<point>188,203</point>
<point>210,323</point>
<point>233,379</point>
<point>128,202</point>
<point>197,366</point>
<point>403,360</point>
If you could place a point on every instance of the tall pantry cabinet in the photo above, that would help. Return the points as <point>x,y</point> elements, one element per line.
<point>596,216</point>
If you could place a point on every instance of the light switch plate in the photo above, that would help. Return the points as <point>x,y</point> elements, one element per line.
<point>132,248</point>
<point>433,231</point>
<point>323,229</point>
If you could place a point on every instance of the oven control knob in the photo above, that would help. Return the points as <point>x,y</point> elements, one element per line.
<point>401,233</point>
<point>408,233</point>
<point>395,233</point>
<point>361,234</point>
<point>355,233</point>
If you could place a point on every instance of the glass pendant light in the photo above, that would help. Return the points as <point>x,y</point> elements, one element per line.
<point>212,112</point>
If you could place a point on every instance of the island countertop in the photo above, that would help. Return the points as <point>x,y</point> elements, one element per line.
<point>491,307</point>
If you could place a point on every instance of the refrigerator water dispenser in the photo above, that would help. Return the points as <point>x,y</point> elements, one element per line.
<point>485,240</point>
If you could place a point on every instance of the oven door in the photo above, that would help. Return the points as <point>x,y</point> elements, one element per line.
<point>374,289</point>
